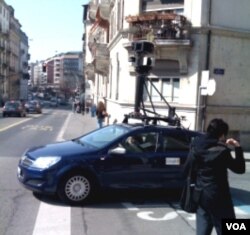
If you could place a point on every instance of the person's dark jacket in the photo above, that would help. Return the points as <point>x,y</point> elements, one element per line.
<point>101,114</point>
<point>213,159</point>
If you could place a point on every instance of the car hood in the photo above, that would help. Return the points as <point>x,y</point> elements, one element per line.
<point>63,149</point>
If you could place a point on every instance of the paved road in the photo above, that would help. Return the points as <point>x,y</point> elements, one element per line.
<point>122,213</point>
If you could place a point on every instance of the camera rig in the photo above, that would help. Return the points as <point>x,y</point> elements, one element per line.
<point>143,62</point>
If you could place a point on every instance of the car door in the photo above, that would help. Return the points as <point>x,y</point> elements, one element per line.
<point>169,160</point>
<point>132,167</point>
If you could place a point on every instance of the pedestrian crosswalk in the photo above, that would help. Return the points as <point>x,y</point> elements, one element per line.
<point>57,219</point>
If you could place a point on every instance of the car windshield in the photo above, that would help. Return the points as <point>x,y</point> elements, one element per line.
<point>12,104</point>
<point>102,137</point>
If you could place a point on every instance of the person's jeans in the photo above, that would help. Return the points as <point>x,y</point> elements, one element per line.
<point>100,122</point>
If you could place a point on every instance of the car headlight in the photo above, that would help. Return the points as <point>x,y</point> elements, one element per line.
<point>43,163</point>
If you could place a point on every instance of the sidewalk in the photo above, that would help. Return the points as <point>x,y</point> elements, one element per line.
<point>78,125</point>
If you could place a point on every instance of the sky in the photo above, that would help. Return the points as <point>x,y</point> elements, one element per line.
<point>52,26</point>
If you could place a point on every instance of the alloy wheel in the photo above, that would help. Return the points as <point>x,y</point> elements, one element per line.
<point>77,188</point>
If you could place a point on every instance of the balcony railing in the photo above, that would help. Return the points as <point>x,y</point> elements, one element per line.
<point>154,25</point>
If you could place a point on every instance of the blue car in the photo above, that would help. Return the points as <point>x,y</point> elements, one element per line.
<point>117,156</point>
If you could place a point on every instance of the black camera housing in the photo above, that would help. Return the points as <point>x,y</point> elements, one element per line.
<point>144,47</point>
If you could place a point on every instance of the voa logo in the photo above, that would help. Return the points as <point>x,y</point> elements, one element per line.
<point>236,226</point>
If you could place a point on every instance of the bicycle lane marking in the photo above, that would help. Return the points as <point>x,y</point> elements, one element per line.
<point>149,215</point>
<point>241,210</point>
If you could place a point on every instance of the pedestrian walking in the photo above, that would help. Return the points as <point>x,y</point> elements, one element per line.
<point>93,109</point>
<point>211,156</point>
<point>101,113</point>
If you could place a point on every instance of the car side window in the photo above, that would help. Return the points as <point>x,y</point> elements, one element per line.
<point>175,142</point>
<point>143,142</point>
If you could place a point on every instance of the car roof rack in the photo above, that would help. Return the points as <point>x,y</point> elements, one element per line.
<point>154,120</point>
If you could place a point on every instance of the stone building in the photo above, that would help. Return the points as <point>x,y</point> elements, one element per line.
<point>13,55</point>
<point>201,58</point>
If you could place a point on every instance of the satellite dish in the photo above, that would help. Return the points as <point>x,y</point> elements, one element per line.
<point>211,86</point>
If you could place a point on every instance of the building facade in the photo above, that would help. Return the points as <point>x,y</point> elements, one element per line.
<point>196,44</point>
<point>24,66</point>
<point>4,50</point>
<point>62,74</point>
<point>13,56</point>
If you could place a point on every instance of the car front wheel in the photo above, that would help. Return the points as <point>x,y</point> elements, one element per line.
<point>76,188</point>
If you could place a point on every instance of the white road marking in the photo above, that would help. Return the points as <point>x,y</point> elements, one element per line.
<point>14,124</point>
<point>61,133</point>
<point>52,220</point>
<point>147,215</point>
<point>239,211</point>
<point>130,206</point>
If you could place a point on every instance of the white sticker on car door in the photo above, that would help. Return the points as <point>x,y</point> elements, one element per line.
<point>172,161</point>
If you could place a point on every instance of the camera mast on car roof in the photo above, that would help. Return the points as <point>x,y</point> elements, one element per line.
<point>143,61</point>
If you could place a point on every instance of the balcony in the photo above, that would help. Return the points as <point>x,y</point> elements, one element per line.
<point>99,13</point>
<point>105,8</point>
<point>168,31</point>
<point>92,10</point>
<point>101,59</point>
<point>90,72</point>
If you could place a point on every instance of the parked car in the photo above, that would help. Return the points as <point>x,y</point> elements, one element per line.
<point>33,106</point>
<point>115,156</point>
<point>53,102</point>
<point>14,108</point>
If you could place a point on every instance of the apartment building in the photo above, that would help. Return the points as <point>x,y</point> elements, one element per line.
<point>63,73</point>
<point>4,49</point>
<point>24,68</point>
<point>201,51</point>
<point>13,56</point>
<point>65,70</point>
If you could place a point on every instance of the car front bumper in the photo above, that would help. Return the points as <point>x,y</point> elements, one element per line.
<point>37,181</point>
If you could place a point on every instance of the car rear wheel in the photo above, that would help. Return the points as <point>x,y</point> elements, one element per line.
<point>76,188</point>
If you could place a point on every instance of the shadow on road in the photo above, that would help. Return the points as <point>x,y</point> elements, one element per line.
<point>110,198</point>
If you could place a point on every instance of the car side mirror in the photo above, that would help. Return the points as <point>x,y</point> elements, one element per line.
<point>117,151</point>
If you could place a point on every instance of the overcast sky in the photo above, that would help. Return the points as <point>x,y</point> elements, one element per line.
<point>52,26</point>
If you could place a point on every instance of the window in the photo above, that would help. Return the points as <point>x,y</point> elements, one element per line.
<point>168,87</point>
<point>101,137</point>
<point>175,142</point>
<point>154,94</point>
<point>171,89</point>
<point>141,143</point>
